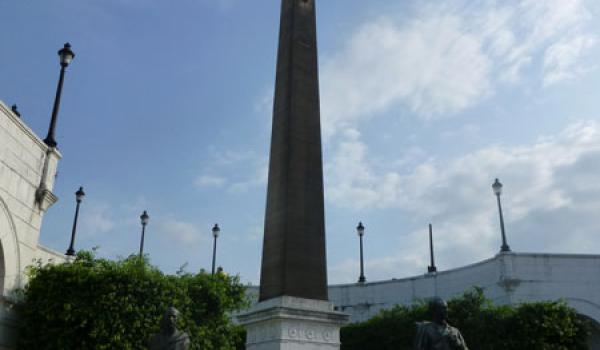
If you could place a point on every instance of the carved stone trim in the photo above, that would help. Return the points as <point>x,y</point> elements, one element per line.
<point>45,198</point>
<point>288,323</point>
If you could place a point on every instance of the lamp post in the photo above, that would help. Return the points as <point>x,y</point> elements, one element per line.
<point>144,218</point>
<point>431,268</point>
<point>78,198</point>
<point>215,231</point>
<point>497,187</point>
<point>66,56</point>
<point>360,230</point>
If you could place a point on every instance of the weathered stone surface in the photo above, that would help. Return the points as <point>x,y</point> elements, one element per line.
<point>288,323</point>
<point>294,261</point>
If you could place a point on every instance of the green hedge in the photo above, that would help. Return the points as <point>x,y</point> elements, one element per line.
<point>533,326</point>
<point>101,304</point>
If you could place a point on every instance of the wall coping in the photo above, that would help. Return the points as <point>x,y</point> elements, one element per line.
<point>24,128</point>
<point>58,256</point>
<point>469,266</point>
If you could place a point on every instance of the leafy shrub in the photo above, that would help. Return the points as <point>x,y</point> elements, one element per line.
<point>96,303</point>
<point>533,326</point>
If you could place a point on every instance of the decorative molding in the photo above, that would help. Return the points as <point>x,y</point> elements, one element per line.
<point>45,198</point>
<point>289,322</point>
<point>43,195</point>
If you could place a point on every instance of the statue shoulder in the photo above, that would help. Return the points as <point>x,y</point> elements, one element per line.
<point>183,338</point>
<point>156,342</point>
<point>182,334</point>
<point>453,330</point>
<point>425,326</point>
<point>422,336</point>
<point>457,338</point>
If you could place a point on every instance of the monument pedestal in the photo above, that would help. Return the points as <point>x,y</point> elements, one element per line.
<point>290,323</point>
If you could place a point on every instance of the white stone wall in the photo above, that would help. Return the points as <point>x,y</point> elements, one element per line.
<point>27,170</point>
<point>506,279</point>
<point>26,164</point>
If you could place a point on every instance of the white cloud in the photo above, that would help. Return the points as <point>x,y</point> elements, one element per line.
<point>245,170</point>
<point>562,58</point>
<point>361,188</point>
<point>525,29</point>
<point>96,218</point>
<point>265,104</point>
<point>256,233</point>
<point>230,157</point>
<point>550,200</point>
<point>181,232</point>
<point>209,181</point>
<point>256,177</point>
<point>429,64</point>
<point>530,165</point>
<point>468,131</point>
<point>448,57</point>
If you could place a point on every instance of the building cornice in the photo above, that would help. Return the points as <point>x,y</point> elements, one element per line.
<point>24,128</point>
<point>469,266</point>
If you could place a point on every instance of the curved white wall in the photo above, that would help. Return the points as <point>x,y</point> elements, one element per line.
<point>10,249</point>
<point>508,278</point>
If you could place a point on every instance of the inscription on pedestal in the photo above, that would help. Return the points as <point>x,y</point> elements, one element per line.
<point>284,325</point>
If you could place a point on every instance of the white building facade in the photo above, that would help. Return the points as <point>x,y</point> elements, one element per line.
<point>27,171</point>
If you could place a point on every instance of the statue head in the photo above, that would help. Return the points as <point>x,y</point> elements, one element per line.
<point>169,322</point>
<point>439,310</point>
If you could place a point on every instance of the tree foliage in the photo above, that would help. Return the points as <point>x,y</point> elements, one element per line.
<point>95,303</point>
<point>532,326</point>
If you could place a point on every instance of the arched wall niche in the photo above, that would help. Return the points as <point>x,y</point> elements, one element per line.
<point>2,269</point>
<point>594,336</point>
<point>10,262</point>
<point>590,311</point>
<point>586,308</point>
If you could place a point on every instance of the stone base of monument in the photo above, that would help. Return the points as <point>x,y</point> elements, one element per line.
<point>289,323</point>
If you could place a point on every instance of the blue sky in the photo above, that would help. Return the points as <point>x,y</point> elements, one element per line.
<point>167,108</point>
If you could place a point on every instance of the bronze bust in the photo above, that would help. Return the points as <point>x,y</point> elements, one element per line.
<point>169,338</point>
<point>438,334</point>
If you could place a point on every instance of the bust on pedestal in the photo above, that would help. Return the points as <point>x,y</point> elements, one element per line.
<point>169,337</point>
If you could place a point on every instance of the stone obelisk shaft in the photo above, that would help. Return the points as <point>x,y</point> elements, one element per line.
<point>294,257</point>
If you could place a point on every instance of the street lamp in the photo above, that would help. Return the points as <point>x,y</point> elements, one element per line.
<point>497,187</point>
<point>215,231</point>
<point>144,218</point>
<point>66,56</point>
<point>360,229</point>
<point>431,268</point>
<point>78,198</point>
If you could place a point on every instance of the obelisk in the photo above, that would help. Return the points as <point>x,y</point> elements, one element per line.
<point>293,261</point>
<point>293,311</point>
